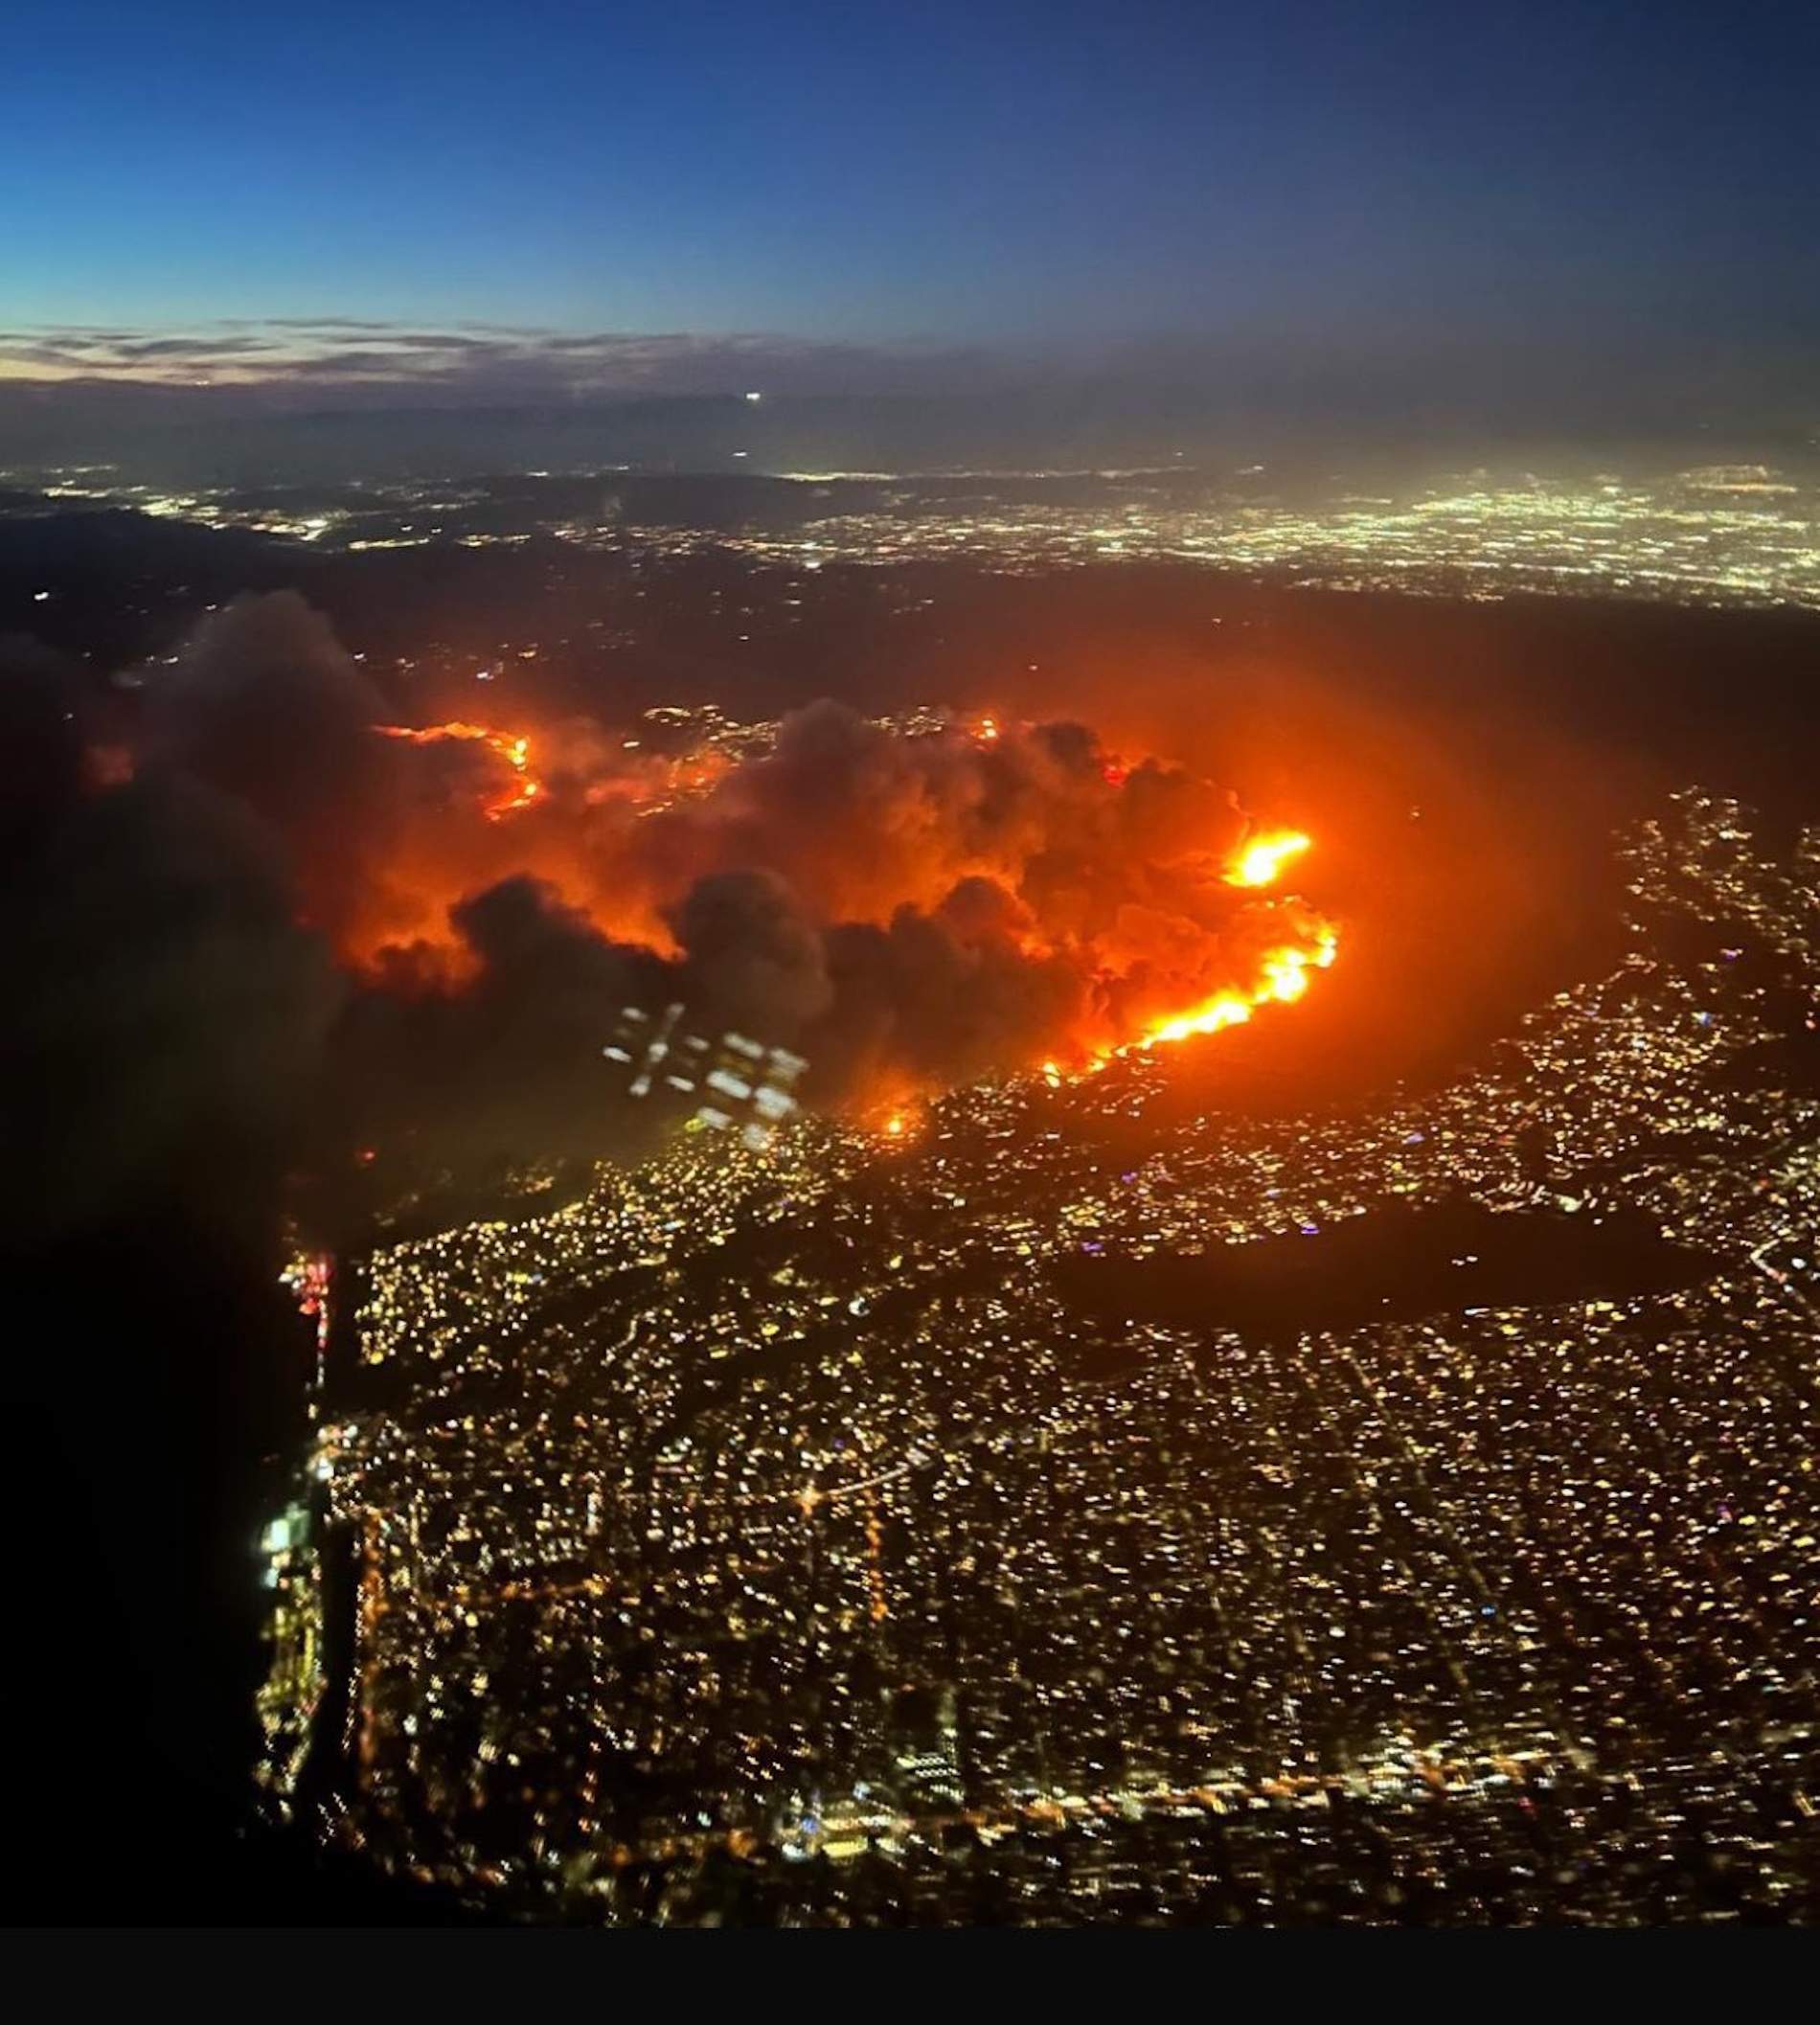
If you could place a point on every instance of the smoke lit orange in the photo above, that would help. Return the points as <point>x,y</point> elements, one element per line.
<point>1142,952</point>
<point>1282,975</point>
<point>1283,979</point>
<point>511,746</point>
<point>1263,857</point>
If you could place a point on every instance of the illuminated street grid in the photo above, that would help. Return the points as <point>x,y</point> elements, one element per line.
<point>1729,538</point>
<point>1720,535</point>
<point>769,1536</point>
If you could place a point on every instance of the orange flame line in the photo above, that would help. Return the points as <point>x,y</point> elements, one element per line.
<point>514,748</point>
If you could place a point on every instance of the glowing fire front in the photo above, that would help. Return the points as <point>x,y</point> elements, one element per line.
<point>511,747</point>
<point>1262,950</point>
<point>1283,979</point>
<point>1263,857</point>
<point>1282,975</point>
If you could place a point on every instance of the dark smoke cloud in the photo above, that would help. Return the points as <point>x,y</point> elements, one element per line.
<point>165,1012</point>
<point>267,707</point>
<point>42,733</point>
<point>908,912</point>
<point>932,998</point>
<point>751,954</point>
<point>507,1068</point>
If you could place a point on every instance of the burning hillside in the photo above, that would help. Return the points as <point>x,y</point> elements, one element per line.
<point>907,903</point>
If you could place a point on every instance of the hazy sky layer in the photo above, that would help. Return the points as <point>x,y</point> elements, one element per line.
<point>1368,180</point>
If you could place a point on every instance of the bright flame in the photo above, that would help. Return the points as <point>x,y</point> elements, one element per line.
<point>511,746</point>
<point>1283,979</point>
<point>1282,975</point>
<point>1285,975</point>
<point>1262,859</point>
<point>1227,1008</point>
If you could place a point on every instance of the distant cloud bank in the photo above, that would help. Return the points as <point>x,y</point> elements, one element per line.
<point>69,390</point>
<point>280,360</point>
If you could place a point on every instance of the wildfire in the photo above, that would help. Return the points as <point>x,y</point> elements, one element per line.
<point>1289,941</point>
<point>1282,975</point>
<point>1283,979</point>
<point>896,1117</point>
<point>1226,1008</point>
<point>1263,857</point>
<point>514,748</point>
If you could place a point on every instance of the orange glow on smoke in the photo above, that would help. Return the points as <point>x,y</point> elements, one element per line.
<point>1263,857</point>
<point>1282,971</point>
<point>106,766</point>
<point>894,1112</point>
<point>514,748</point>
<point>1283,979</point>
<point>618,834</point>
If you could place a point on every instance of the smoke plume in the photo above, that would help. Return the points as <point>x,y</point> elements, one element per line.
<point>267,899</point>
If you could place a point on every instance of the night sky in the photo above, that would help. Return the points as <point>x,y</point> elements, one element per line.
<point>859,184</point>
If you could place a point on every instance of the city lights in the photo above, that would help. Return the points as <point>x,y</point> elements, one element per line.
<point>810,1418</point>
